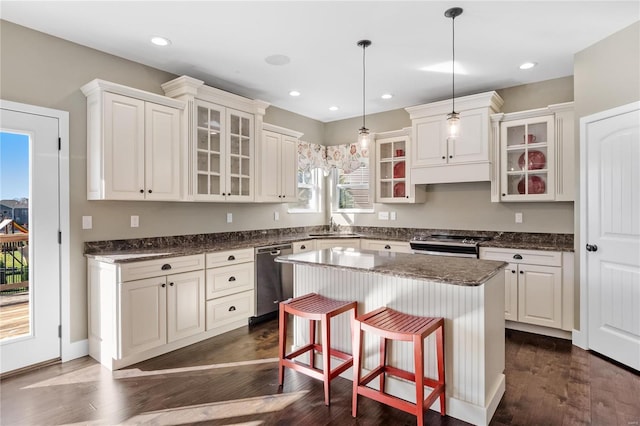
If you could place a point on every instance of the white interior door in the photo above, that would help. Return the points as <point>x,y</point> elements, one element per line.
<point>42,342</point>
<point>611,247</point>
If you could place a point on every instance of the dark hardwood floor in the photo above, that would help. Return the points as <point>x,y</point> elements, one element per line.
<point>232,380</point>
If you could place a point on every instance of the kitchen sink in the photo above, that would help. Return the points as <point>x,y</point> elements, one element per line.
<point>334,234</point>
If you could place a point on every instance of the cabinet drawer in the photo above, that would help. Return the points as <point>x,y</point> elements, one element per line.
<point>160,267</point>
<point>530,257</point>
<point>227,280</point>
<point>382,245</point>
<point>229,257</point>
<point>229,309</point>
<point>338,242</point>
<point>302,246</point>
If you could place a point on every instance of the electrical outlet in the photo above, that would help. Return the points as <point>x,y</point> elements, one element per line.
<point>383,215</point>
<point>135,221</point>
<point>276,216</point>
<point>229,217</point>
<point>518,217</point>
<point>393,216</point>
<point>87,222</point>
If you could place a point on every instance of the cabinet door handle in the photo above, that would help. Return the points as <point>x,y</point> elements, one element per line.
<point>232,257</point>
<point>522,272</point>
<point>513,271</point>
<point>504,195</point>
<point>388,247</point>
<point>451,156</point>
<point>163,285</point>
<point>232,308</point>
<point>302,247</point>
<point>150,191</point>
<point>444,158</point>
<point>592,247</point>
<point>166,267</point>
<point>517,256</point>
<point>171,284</point>
<point>232,279</point>
<point>142,191</point>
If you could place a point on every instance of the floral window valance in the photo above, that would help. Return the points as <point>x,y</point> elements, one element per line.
<point>348,157</point>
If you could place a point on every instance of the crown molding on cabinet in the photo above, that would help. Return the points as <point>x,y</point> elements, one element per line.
<point>480,100</point>
<point>107,86</point>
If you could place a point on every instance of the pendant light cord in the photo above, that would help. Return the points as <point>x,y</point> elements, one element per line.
<point>453,64</point>
<point>364,77</point>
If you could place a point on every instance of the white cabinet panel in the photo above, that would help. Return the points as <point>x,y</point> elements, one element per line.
<point>185,305</point>
<point>511,292</point>
<point>277,164</point>
<point>143,317</point>
<point>302,246</point>
<point>383,245</point>
<point>337,242</point>
<point>230,309</point>
<point>162,152</point>
<point>229,257</point>
<point>540,295</point>
<point>226,280</point>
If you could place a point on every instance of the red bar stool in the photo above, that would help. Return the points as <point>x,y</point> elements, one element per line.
<point>315,308</point>
<point>390,324</point>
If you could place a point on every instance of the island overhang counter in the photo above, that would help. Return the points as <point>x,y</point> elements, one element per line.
<point>467,293</point>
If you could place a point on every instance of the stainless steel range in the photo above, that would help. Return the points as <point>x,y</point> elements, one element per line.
<point>448,245</point>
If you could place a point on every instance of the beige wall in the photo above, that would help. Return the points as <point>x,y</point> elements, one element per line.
<point>606,75</point>
<point>46,71</point>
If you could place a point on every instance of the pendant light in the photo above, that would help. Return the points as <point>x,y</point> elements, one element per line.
<point>453,118</point>
<point>363,132</point>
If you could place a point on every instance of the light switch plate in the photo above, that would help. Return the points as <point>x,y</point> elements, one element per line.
<point>383,215</point>
<point>393,216</point>
<point>87,222</point>
<point>276,216</point>
<point>135,221</point>
<point>518,217</point>
<point>229,217</point>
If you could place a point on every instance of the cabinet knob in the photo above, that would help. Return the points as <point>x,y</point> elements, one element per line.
<point>451,156</point>
<point>302,247</point>
<point>142,191</point>
<point>522,272</point>
<point>444,158</point>
<point>166,267</point>
<point>163,285</point>
<point>517,256</point>
<point>232,308</point>
<point>513,271</point>
<point>232,257</point>
<point>150,191</point>
<point>232,279</point>
<point>406,196</point>
<point>171,284</point>
<point>592,247</point>
<point>284,196</point>
<point>504,195</point>
<point>388,247</point>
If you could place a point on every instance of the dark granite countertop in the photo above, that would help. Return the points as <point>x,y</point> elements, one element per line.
<point>122,251</point>
<point>450,270</point>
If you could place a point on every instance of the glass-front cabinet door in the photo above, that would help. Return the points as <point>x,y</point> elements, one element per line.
<point>210,150</point>
<point>527,162</point>
<point>240,154</point>
<point>392,170</point>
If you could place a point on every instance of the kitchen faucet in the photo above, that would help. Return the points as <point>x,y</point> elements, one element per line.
<point>333,226</point>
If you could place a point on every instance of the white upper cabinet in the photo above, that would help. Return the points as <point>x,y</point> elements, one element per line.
<point>221,129</point>
<point>133,144</point>
<point>534,155</point>
<point>393,165</point>
<point>277,164</point>
<point>437,158</point>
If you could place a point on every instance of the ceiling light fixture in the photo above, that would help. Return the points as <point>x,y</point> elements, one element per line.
<point>528,65</point>
<point>453,118</point>
<point>387,96</point>
<point>333,108</point>
<point>160,41</point>
<point>294,93</point>
<point>363,132</point>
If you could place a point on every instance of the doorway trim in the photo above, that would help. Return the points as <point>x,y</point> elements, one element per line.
<point>580,337</point>
<point>68,350</point>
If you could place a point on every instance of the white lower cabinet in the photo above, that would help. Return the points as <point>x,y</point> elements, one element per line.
<point>384,245</point>
<point>139,310</point>
<point>230,289</point>
<point>538,286</point>
<point>325,243</point>
<point>302,246</point>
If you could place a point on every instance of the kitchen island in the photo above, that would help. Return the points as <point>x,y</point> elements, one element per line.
<point>467,293</point>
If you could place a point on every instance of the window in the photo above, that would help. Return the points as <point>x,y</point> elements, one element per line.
<point>351,190</point>
<point>309,192</point>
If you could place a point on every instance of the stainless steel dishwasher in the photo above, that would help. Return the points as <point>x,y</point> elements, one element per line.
<point>274,281</point>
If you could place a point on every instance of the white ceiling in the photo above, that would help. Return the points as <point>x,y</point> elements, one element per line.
<point>226,43</point>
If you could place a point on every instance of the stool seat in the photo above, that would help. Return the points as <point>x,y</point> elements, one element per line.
<point>315,308</point>
<point>393,325</point>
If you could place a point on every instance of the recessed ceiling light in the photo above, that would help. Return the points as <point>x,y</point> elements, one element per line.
<point>160,41</point>
<point>528,65</point>
<point>333,108</point>
<point>387,96</point>
<point>277,59</point>
<point>294,93</point>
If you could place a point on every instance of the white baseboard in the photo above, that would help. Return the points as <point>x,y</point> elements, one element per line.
<point>73,350</point>
<point>538,329</point>
<point>579,339</point>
